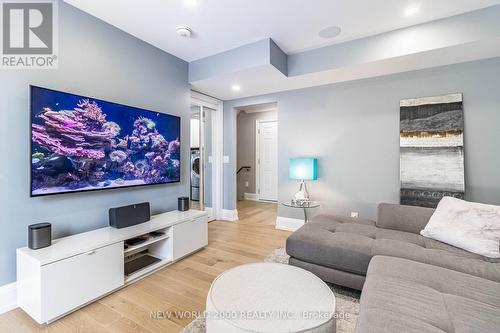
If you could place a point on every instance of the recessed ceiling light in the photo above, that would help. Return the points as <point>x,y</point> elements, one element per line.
<point>235,88</point>
<point>191,3</point>
<point>184,32</point>
<point>412,10</point>
<point>330,32</point>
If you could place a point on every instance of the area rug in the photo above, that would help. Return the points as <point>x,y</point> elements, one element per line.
<point>347,302</point>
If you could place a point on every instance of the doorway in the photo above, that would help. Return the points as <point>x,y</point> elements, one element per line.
<point>205,183</point>
<point>257,153</point>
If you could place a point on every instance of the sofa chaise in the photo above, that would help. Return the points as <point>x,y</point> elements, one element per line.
<point>409,283</point>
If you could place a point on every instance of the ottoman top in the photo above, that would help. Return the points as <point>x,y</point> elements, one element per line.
<point>270,297</point>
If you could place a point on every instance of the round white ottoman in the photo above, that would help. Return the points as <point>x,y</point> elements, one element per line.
<point>269,298</point>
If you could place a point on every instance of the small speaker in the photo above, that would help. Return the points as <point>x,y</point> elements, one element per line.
<point>127,216</point>
<point>39,235</point>
<point>183,204</point>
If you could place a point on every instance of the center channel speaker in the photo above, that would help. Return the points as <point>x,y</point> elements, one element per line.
<point>127,216</point>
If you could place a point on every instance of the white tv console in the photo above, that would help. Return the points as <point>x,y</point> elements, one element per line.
<point>79,269</point>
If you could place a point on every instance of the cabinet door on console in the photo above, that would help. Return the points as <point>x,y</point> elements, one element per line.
<point>72,282</point>
<point>189,237</point>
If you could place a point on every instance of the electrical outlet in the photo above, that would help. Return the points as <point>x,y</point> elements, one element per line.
<point>355,214</point>
<point>247,184</point>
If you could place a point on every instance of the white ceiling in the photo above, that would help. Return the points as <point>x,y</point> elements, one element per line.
<point>258,81</point>
<point>220,25</point>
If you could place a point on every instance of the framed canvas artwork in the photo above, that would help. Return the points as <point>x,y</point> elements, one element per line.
<point>431,149</point>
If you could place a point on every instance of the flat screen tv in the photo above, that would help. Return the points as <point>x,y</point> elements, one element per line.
<point>85,144</point>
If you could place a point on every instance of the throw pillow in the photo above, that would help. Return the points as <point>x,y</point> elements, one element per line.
<point>470,226</point>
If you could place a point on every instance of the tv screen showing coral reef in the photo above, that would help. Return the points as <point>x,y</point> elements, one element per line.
<point>85,144</point>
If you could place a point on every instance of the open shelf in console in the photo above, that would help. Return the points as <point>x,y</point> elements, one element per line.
<point>140,263</point>
<point>146,253</point>
<point>146,243</point>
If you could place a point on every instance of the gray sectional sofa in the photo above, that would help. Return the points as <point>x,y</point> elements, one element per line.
<point>409,283</point>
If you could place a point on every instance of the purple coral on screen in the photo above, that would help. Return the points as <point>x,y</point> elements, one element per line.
<point>174,146</point>
<point>118,156</point>
<point>82,132</point>
<point>128,168</point>
<point>91,110</point>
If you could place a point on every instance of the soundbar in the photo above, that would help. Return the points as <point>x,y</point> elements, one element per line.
<point>127,216</point>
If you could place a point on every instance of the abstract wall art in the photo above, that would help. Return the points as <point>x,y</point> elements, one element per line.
<point>431,149</point>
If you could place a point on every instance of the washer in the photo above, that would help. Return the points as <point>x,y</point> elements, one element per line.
<point>195,174</point>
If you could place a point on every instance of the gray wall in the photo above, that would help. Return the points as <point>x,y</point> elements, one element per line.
<point>246,148</point>
<point>353,129</point>
<point>96,60</point>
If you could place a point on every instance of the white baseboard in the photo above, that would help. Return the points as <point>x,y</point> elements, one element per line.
<point>210,214</point>
<point>251,196</point>
<point>229,215</point>
<point>8,297</point>
<point>289,224</point>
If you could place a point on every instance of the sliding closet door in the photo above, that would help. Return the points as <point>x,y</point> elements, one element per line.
<point>208,114</point>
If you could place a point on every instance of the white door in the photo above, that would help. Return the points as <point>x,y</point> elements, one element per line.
<point>267,160</point>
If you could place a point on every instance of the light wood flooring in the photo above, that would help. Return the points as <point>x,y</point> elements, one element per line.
<point>182,286</point>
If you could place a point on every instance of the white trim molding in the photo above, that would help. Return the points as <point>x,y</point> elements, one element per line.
<point>287,223</point>
<point>229,215</point>
<point>251,196</point>
<point>203,100</point>
<point>8,297</point>
<point>210,214</point>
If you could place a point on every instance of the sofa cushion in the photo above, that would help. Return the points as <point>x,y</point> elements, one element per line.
<point>400,295</point>
<point>344,246</point>
<point>403,218</point>
<point>341,244</point>
<point>322,218</point>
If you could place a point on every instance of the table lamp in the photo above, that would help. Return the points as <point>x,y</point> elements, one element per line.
<point>305,168</point>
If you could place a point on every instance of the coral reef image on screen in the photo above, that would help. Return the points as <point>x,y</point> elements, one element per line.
<point>82,144</point>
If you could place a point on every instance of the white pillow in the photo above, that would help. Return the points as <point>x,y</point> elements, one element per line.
<point>470,226</point>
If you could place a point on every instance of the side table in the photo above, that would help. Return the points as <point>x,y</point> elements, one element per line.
<point>304,205</point>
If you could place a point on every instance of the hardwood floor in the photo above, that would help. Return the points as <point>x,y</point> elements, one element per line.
<point>181,287</point>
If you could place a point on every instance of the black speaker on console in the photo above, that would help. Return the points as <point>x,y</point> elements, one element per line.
<point>126,216</point>
<point>183,204</point>
<point>39,235</point>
